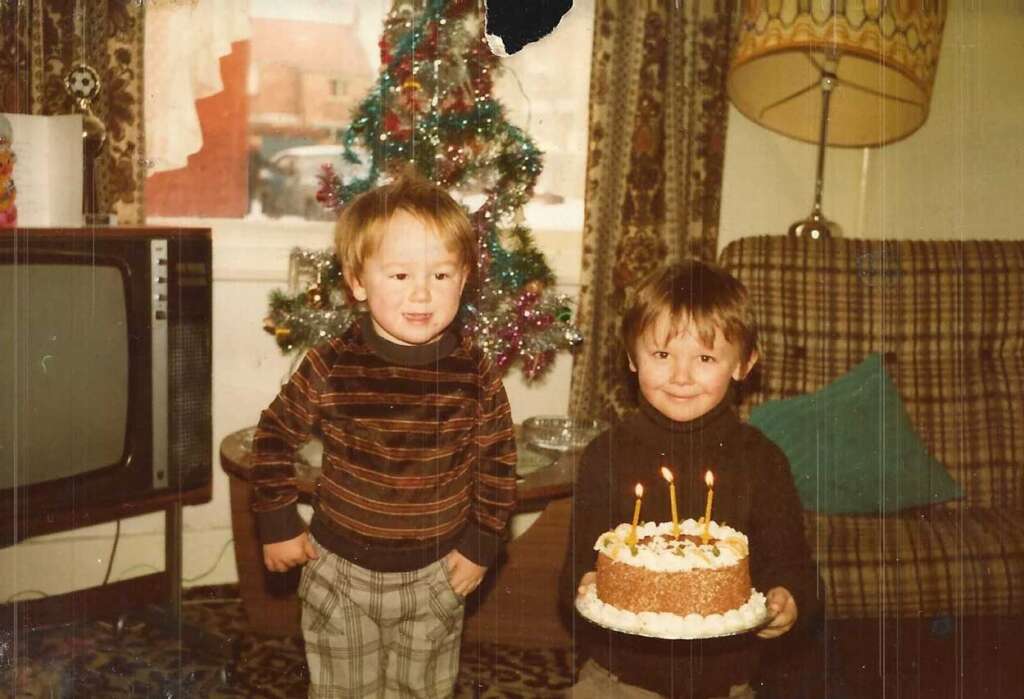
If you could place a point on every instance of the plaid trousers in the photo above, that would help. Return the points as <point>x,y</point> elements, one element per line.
<point>374,634</point>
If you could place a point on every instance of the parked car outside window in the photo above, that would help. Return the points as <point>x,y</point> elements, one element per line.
<point>290,181</point>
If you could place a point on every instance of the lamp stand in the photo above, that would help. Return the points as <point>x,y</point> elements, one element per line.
<point>816,226</point>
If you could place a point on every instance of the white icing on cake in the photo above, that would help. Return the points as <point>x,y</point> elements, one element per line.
<point>750,615</point>
<point>669,555</point>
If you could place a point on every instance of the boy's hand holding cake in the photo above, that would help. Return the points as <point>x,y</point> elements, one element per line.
<point>781,610</point>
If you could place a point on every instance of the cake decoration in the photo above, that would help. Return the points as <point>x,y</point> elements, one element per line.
<point>752,614</point>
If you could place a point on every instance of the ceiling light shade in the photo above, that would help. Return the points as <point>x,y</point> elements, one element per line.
<point>882,54</point>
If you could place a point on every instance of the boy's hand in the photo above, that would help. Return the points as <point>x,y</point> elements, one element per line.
<point>463,574</point>
<point>587,579</point>
<point>783,608</point>
<point>282,555</point>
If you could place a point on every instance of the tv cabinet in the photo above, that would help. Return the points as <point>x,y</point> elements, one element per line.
<point>155,598</point>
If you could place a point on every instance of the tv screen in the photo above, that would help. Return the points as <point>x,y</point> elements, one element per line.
<point>105,374</point>
<point>65,369</point>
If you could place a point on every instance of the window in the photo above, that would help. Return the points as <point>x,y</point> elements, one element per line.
<point>310,65</point>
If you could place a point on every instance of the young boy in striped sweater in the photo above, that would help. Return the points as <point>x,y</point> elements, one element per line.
<point>418,477</point>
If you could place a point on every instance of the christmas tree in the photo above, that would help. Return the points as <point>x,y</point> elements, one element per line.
<point>433,109</point>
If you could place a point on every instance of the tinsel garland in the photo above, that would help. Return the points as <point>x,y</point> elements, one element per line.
<point>432,108</point>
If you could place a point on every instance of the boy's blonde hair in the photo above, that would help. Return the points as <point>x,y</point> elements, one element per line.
<point>695,292</point>
<point>357,233</point>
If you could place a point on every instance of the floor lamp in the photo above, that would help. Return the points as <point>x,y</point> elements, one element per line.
<point>853,73</point>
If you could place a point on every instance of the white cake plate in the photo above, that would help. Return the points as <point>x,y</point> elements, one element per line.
<point>752,615</point>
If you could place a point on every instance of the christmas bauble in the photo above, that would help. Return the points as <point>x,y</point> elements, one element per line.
<point>316,297</point>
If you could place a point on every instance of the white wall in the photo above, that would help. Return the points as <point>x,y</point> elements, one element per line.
<point>958,176</point>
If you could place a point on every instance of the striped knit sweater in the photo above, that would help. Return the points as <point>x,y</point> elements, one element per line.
<point>419,451</point>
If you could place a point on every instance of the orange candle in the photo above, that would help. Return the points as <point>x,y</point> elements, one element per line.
<point>667,475</point>
<point>710,480</point>
<point>639,490</point>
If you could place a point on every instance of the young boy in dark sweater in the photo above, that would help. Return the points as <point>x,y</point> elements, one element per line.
<point>689,337</point>
<point>418,476</point>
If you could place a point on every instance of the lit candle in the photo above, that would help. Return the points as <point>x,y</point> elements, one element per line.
<point>667,475</point>
<point>639,490</point>
<point>710,480</point>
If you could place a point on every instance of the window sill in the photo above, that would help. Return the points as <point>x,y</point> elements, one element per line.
<point>257,249</point>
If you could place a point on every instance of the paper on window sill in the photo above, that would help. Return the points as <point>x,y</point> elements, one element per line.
<point>48,170</point>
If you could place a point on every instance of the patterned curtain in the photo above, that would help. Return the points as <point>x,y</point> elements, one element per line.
<point>658,111</point>
<point>41,40</point>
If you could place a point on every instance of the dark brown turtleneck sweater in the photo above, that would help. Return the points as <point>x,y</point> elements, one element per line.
<point>754,493</point>
<point>419,452</point>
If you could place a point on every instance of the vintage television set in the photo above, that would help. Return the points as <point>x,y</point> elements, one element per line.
<point>105,381</point>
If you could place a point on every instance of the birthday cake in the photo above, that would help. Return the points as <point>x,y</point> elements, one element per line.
<point>674,586</point>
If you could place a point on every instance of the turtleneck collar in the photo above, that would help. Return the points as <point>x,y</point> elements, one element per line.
<point>408,355</point>
<point>719,416</point>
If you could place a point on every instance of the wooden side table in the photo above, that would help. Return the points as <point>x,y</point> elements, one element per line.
<point>269,598</point>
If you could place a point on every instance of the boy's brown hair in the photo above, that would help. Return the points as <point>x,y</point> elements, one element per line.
<point>695,292</point>
<point>357,232</point>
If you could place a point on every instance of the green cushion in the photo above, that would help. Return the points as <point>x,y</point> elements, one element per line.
<point>852,448</point>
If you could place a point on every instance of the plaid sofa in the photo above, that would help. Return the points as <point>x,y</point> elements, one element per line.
<point>949,318</point>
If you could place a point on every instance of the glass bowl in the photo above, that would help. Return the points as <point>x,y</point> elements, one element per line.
<point>561,433</point>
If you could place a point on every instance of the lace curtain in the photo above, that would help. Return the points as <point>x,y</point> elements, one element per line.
<point>658,114</point>
<point>185,40</point>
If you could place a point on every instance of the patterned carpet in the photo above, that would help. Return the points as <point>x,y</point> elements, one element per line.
<point>96,660</point>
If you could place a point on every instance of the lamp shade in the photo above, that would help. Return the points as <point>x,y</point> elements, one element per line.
<point>883,56</point>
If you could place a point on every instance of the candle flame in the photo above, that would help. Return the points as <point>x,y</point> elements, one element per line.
<point>639,490</point>
<point>709,479</point>
<point>666,474</point>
